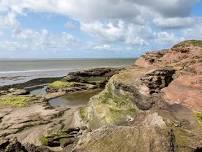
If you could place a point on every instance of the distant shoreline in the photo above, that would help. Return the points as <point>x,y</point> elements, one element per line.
<point>61,59</point>
<point>21,71</point>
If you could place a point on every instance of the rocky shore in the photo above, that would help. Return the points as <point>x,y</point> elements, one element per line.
<point>154,105</point>
<point>29,123</point>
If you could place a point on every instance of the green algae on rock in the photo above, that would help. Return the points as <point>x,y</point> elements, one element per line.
<point>16,100</point>
<point>111,106</point>
<point>43,140</point>
<point>61,84</point>
<point>60,138</point>
<point>198,116</point>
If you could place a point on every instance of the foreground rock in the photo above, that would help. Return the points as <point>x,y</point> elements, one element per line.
<point>34,122</point>
<point>150,132</point>
<point>155,105</point>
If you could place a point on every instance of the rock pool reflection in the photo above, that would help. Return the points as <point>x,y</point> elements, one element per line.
<point>73,99</point>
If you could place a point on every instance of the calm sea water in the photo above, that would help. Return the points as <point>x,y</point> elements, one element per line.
<point>17,71</point>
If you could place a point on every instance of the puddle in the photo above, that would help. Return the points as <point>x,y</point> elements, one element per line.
<point>39,91</point>
<point>74,99</point>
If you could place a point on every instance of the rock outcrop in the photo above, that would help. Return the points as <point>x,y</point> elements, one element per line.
<point>13,145</point>
<point>83,80</point>
<point>155,105</point>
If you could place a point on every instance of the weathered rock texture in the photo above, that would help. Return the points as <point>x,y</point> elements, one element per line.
<point>155,105</point>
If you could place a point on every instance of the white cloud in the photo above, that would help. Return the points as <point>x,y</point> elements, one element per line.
<point>111,23</point>
<point>102,47</point>
<point>165,37</point>
<point>194,32</point>
<point>28,39</point>
<point>119,32</point>
<point>96,9</point>
<point>105,32</point>
<point>176,22</point>
<point>9,20</point>
<point>70,25</point>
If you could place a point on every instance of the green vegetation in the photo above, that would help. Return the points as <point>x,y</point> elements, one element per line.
<point>190,42</point>
<point>44,140</point>
<point>116,99</point>
<point>111,106</point>
<point>181,136</point>
<point>61,84</point>
<point>83,113</point>
<point>198,116</point>
<point>17,101</point>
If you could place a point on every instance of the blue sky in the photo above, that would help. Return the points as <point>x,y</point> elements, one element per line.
<point>94,28</point>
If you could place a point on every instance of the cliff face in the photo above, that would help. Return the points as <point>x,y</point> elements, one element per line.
<point>186,59</point>
<point>155,105</point>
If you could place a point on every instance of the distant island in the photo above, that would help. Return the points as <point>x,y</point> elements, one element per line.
<point>154,105</point>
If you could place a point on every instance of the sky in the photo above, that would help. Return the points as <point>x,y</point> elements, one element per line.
<point>95,28</point>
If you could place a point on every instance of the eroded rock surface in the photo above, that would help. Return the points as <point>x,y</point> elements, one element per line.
<point>155,105</point>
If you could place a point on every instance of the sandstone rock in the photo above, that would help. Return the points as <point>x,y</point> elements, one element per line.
<point>158,79</point>
<point>165,83</point>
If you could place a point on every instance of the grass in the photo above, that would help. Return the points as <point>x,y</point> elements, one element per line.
<point>17,101</point>
<point>61,84</point>
<point>190,42</point>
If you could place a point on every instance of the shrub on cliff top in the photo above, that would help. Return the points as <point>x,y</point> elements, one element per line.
<point>189,42</point>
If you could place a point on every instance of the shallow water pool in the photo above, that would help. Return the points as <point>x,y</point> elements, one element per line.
<point>74,99</point>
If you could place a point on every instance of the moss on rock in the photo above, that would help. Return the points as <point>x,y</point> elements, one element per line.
<point>181,137</point>
<point>44,140</point>
<point>16,100</point>
<point>111,106</point>
<point>83,113</point>
<point>198,116</point>
<point>61,84</point>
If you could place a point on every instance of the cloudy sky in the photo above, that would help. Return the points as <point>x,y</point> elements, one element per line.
<point>95,28</point>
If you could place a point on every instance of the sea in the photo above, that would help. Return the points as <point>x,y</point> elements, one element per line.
<point>21,70</point>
